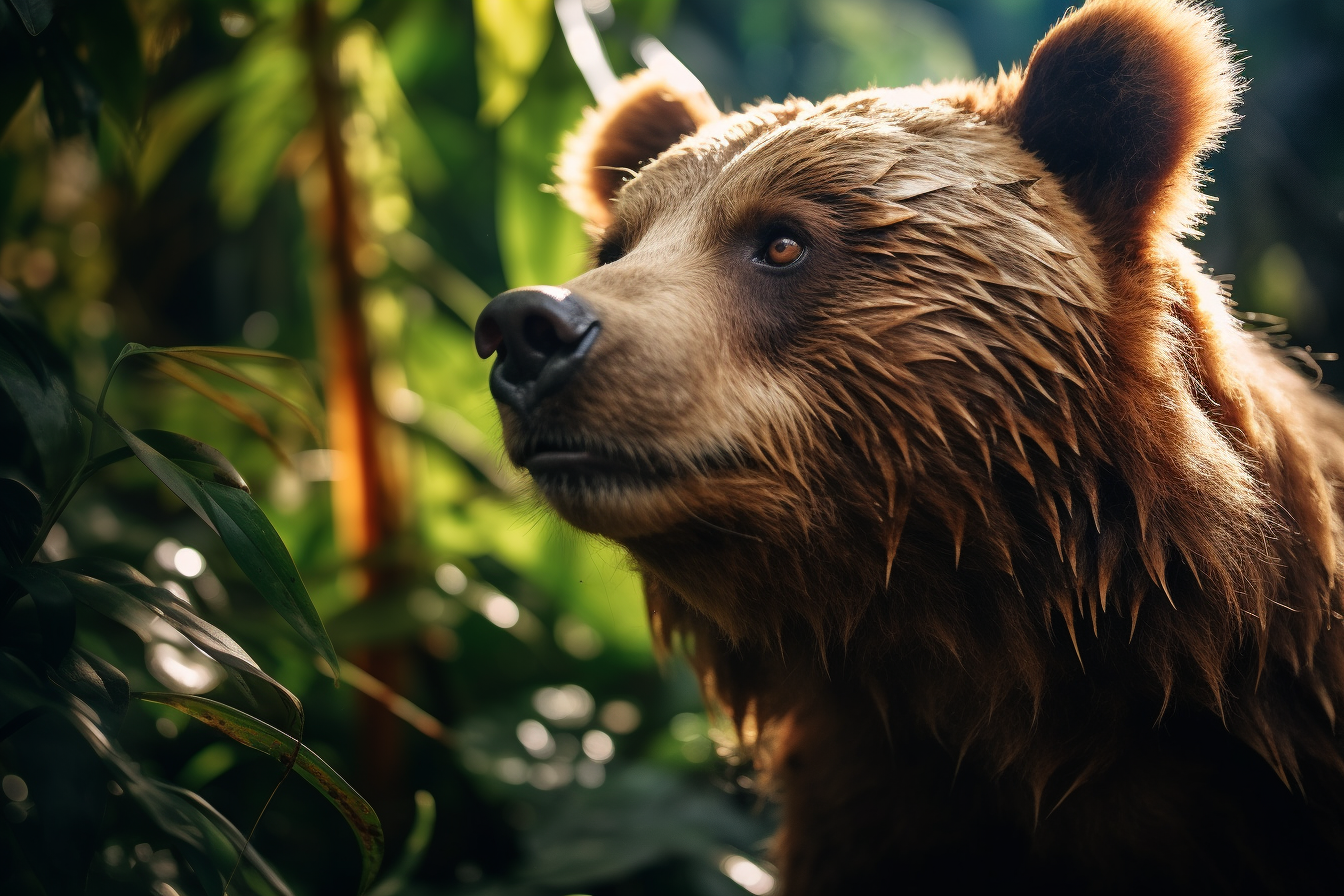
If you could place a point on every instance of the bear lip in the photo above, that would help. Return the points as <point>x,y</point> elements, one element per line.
<point>573,461</point>
<point>545,462</point>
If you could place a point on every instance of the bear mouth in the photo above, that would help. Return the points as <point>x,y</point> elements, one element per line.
<point>571,463</point>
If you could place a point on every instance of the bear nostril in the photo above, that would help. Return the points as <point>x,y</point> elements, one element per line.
<point>540,335</point>
<point>489,337</point>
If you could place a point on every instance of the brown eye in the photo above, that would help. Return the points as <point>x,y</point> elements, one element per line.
<point>783,251</point>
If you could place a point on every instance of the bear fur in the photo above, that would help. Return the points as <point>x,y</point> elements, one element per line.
<point>1015,561</point>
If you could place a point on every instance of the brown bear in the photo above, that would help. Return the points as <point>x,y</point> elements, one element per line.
<point>1014,559</point>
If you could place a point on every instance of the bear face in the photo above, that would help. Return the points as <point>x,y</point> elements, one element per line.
<point>932,438</point>
<point>915,240</point>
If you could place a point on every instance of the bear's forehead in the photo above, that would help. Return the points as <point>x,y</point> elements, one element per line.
<point>883,144</point>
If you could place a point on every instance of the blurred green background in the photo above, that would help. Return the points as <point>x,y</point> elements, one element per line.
<point>163,180</point>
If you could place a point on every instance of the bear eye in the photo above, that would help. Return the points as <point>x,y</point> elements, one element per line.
<point>782,251</point>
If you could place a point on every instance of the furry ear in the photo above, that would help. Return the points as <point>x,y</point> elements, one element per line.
<point>1122,100</point>
<point>646,114</point>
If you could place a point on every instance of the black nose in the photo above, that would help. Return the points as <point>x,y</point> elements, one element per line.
<point>541,334</point>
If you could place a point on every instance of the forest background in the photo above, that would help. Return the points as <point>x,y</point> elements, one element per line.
<point>347,182</point>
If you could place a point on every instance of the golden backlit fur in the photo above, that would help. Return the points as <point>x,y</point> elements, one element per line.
<point>990,528</point>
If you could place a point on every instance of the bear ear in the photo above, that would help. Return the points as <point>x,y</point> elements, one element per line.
<point>643,115</point>
<point>1122,100</point>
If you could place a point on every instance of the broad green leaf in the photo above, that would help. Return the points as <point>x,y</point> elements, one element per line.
<point>71,99</point>
<point>20,520</point>
<point>271,104</point>
<point>511,39</point>
<point>174,121</point>
<point>249,537</point>
<point>179,481</point>
<point>35,14</point>
<point>41,400</point>
<point>540,239</point>
<point>55,608</point>
<point>887,45</point>
<point>254,733</point>
<point>106,598</point>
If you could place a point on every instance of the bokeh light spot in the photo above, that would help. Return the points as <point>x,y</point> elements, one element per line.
<point>188,562</point>
<point>598,746</point>
<point>500,610</point>
<point>619,716</point>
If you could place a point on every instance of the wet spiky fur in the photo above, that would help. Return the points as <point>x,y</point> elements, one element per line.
<point>997,537</point>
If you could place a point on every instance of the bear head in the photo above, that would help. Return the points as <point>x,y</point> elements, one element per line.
<point>925,366</point>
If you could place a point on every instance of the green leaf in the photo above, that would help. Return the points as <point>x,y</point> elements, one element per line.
<point>55,608</point>
<point>248,535</point>
<point>197,458</point>
<point>167,360</point>
<point>254,544</point>
<point>208,840</point>
<point>271,104</point>
<point>20,71</point>
<point>540,239</point>
<point>41,400</point>
<point>20,520</point>
<point>422,830</point>
<point>511,39</point>
<point>98,683</point>
<point>35,14</point>
<point>173,122</point>
<point>254,733</point>
<point>106,598</point>
<point>111,50</point>
<point>212,641</point>
<point>71,99</point>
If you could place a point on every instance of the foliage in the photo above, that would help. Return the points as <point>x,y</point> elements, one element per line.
<point>53,691</point>
<point>164,178</point>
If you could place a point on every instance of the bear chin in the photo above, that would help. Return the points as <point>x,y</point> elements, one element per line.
<point>619,506</point>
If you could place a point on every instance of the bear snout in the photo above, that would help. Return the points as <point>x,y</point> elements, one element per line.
<point>540,336</point>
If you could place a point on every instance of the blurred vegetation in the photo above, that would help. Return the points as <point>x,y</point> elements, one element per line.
<point>346,182</point>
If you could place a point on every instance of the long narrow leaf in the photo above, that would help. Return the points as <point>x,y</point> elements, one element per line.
<point>209,840</point>
<point>179,481</point>
<point>55,609</point>
<point>197,458</point>
<point>422,831</point>
<point>235,406</point>
<point>254,733</point>
<point>203,355</point>
<point>202,359</point>
<point>213,642</point>
<point>42,401</point>
<point>249,537</point>
<point>257,548</point>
